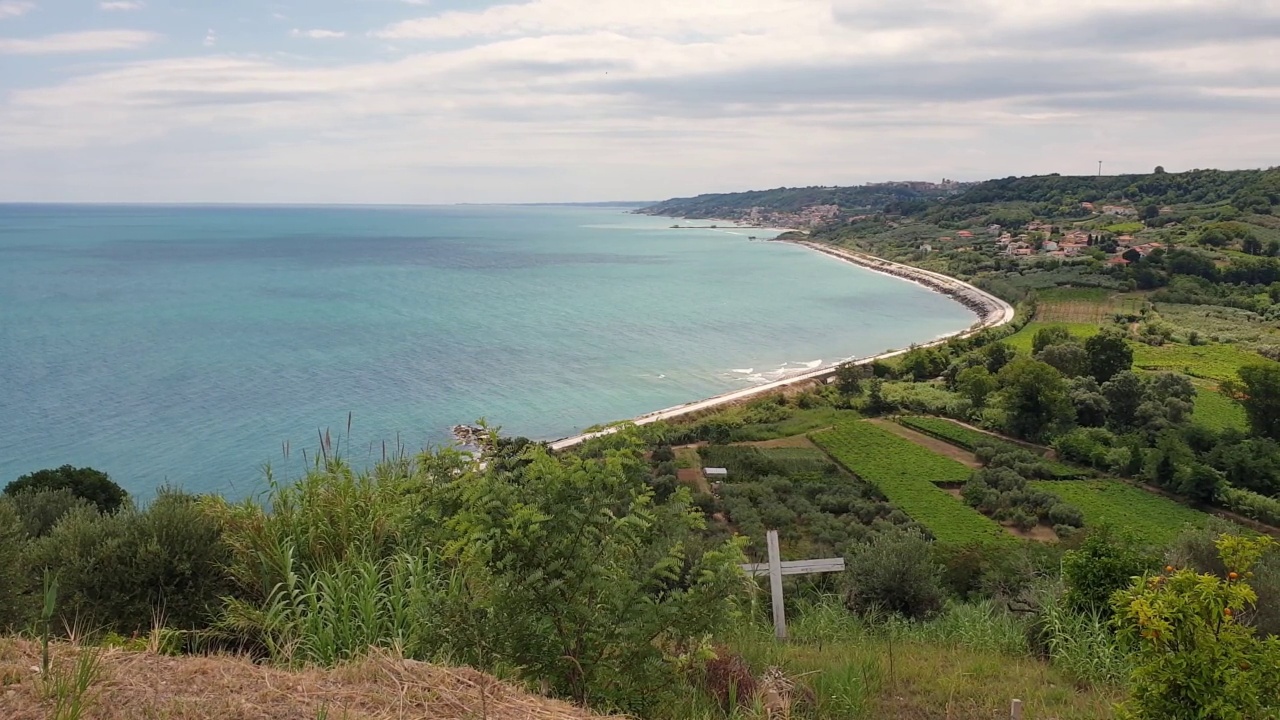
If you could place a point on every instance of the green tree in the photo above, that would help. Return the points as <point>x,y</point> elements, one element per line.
<point>1052,335</point>
<point>92,485</point>
<point>1109,353</point>
<point>1067,358</point>
<point>1091,405</point>
<point>976,384</point>
<point>1195,658</point>
<point>12,576</point>
<point>1261,385</point>
<point>849,379</point>
<point>1251,245</point>
<point>1125,393</point>
<point>1035,399</point>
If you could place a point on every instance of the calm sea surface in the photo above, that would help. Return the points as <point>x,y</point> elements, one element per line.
<point>187,344</point>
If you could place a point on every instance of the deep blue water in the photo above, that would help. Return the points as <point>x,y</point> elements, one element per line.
<point>188,344</point>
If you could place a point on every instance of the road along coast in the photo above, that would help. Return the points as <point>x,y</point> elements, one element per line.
<point>991,311</point>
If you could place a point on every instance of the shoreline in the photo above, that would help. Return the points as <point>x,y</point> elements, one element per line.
<point>991,311</point>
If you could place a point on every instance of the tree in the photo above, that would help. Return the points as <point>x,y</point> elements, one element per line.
<point>1091,405</point>
<point>1159,170</point>
<point>1125,393</point>
<point>1131,255</point>
<point>976,383</point>
<point>1150,211</point>
<point>1035,398</point>
<point>998,355</point>
<point>894,572</point>
<point>87,483</point>
<point>1052,335</point>
<point>1251,244</point>
<point>1068,358</point>
<point>849,379</point>
<point>924,363</point>
<point>1262,398</point>
<point>1195,658</point>
<point>1109,353</point>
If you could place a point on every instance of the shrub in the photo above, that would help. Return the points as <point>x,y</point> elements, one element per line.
<point>1195,658</point>
<point>40,510</point>
<point>117,571</point>
<point>1104,564</point>
<point>12,579</point>
<point>894,572</point>
<point>92,485</point>
<point>1252,505</point>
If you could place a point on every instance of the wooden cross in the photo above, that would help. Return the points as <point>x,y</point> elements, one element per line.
<point>775,569</point>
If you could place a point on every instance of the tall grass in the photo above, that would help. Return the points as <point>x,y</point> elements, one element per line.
<point>1081,644</point>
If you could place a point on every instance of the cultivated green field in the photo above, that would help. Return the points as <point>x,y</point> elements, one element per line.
<point>1154,518</point>
<point>1215,410</point>
<point>1213,362</point>
<point>1023,339</point>
<point>906,473</point>
<point>969,439</point>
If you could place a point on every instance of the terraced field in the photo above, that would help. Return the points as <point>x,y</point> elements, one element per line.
<point>1217,411</point>
<point>967,438</point>
<point>1110,502</point>
<point>906,473</point>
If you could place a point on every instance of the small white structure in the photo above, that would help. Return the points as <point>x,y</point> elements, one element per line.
<point>715,472</point>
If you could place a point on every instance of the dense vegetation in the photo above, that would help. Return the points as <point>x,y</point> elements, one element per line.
<point>607,575</point>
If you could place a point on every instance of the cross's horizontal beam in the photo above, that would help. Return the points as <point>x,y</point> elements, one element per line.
<point>797,567</point>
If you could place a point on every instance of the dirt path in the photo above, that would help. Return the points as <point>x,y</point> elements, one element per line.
<point>945,449</point>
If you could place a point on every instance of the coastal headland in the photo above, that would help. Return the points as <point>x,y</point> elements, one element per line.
<point>991,311</point>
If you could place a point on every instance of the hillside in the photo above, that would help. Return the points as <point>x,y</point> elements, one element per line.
<point>139,684</point>
<point>779,205</point>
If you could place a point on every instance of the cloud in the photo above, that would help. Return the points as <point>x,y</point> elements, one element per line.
<point>318,34</point>
<point>77,42</point>
<point>210,38</point>
<point>121,5</point>
<point>15,8</point>
<point>591,99</point>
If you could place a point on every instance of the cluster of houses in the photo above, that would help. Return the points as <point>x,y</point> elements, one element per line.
<point>1039,239</point>
<point>809,217</point>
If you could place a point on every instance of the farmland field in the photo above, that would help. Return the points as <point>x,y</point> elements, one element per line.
<point>1088,306</point>
<point>1215,410</point>
<point>968,439</point>
<point>1213,362</point>
<point>1154,518</point>
<point>1023,339</point>
<point>906,473</point>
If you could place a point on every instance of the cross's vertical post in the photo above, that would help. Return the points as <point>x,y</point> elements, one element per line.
<point>775,586</point>
<point>1015,712</point>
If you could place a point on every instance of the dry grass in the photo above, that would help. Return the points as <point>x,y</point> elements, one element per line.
<point>1086,306</point>
<point>138,686</point>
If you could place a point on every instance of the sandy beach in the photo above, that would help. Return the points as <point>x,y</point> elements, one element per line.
<point>991,311</point>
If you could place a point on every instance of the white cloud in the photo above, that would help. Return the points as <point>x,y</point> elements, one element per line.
<point>123,5</point>
<point>210,38</point>
<point>77,42</point>
<point>592,99</point>
<point>15,8</point>
<point>318,34</point>
<point>416,2</point>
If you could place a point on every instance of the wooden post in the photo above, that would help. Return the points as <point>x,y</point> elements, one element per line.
<point>775,587</point>
<point>1015,712</point>
<point>776,568</point>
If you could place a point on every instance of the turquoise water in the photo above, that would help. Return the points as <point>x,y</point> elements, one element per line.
<point>188,344</point>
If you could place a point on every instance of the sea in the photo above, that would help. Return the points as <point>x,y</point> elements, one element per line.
<point>191,346</point>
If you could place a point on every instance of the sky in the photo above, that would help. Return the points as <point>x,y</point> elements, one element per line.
<point>443,101</point>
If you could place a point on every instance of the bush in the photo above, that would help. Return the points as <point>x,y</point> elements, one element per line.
<point>116,572</point>
<point>1252,505</point>
<point>1104,564</point>
<point>40,510</point>
<point>12,579</point>
<point>92,485</point>
<point>894,572</point>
